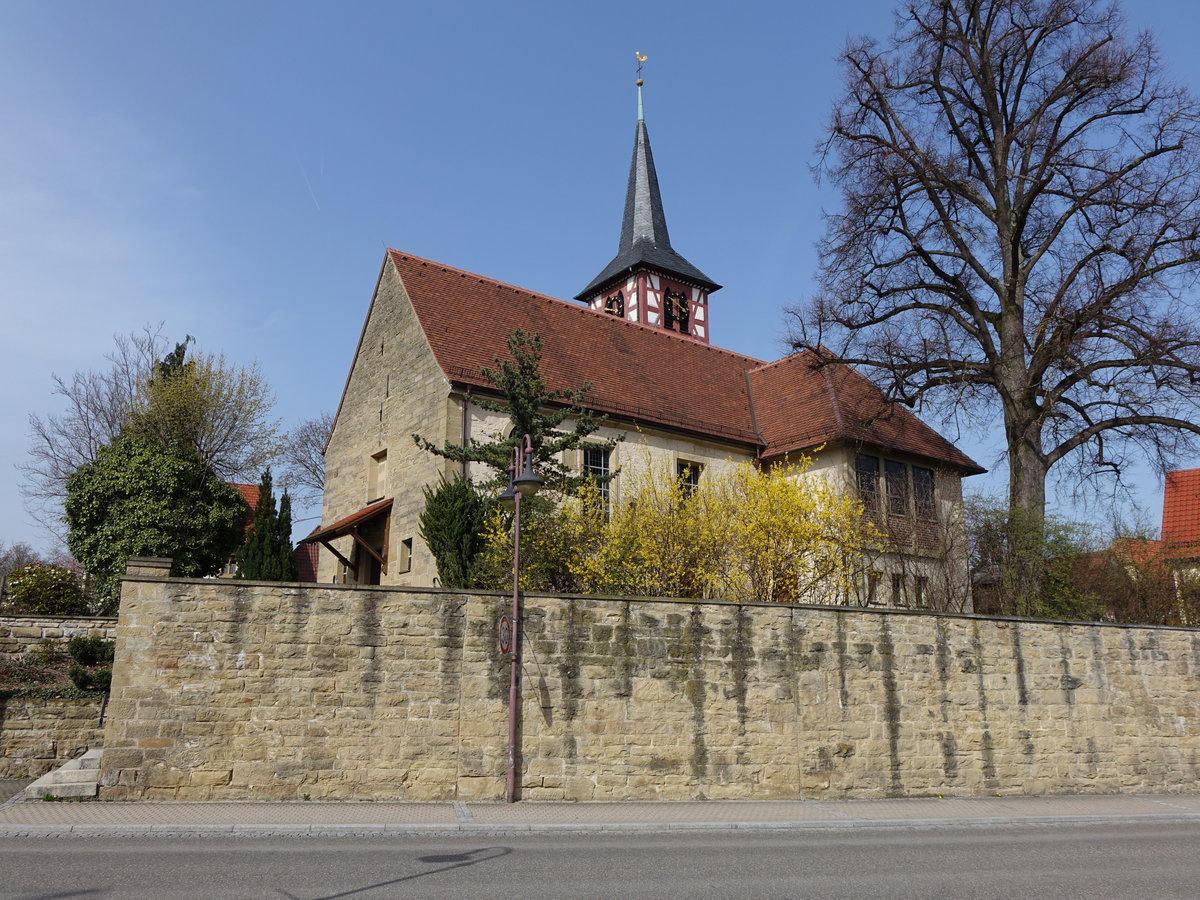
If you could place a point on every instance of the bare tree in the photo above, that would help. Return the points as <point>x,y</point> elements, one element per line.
<point>304,457</point>
<point>98,405</point>
<point>227,407</point>
<point>1019,232</point>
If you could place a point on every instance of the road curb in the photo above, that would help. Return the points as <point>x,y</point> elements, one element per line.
<point>405,830</point>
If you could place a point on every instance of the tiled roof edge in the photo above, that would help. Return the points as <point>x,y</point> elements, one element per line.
<point>713,348</point>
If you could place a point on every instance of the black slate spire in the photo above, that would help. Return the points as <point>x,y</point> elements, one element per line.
<point>644,239</point>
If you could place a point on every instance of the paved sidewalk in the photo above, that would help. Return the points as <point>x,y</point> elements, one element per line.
<point>316,818</point>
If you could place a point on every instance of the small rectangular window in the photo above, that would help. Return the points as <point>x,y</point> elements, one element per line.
<point>898,590</point>
<point>872,588</point>
<point>866,474</point>
<point>377,476</point>
<point>689,476</point>
<point>406,549</point>
<point>897,487</point>
<point>921,591</point>
<point>923,492</point>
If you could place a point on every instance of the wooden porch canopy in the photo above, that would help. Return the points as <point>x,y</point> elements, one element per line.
<point>350,525</point>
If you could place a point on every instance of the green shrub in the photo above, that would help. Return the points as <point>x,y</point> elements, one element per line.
<point>92,650</point>
<point>452,525</point>
<point>90,679</point>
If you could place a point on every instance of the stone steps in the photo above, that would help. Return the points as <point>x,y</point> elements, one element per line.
<point>78,778</point>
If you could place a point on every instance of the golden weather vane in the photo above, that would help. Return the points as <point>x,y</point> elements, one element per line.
<point>641,58</point>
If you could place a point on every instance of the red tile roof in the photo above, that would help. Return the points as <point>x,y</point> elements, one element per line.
<point>651,375</point>
<point>249,494</point>
<point>1181,510</point>
<point>799,403</point>
<point>306,557</point>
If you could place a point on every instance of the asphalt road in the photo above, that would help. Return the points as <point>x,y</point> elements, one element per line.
<point>1058,861</point>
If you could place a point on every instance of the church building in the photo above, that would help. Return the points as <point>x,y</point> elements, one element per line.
<point>640,334</point>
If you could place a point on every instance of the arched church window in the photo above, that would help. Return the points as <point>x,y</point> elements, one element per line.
<point>615,305</point>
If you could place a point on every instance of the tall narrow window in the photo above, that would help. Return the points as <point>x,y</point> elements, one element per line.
<point>897,487</point>
<point>406,548</point>
<point>689,476</point>
<point>866,474</point>
<point>597,463</point>
<point>872,582</point>
<point>923,492</point>
<point>921,591</point>
<point>898,590</point>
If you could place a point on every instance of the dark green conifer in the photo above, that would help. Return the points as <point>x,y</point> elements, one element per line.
<point>266,554</point>
<point>452,526</point>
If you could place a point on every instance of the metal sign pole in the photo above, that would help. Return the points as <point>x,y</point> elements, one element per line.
<point>515,654</point>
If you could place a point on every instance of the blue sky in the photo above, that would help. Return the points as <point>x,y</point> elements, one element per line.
<point>236,169</point>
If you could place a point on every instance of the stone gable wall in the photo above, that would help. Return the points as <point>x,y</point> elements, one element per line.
<point>395,389</point>
<point>256,691</point>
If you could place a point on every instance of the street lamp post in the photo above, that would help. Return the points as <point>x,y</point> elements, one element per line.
<point>523,482</point>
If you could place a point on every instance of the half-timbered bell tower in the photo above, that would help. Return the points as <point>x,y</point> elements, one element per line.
<point>648,281</point>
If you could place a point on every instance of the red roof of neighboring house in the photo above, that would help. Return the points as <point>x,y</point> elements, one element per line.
<point>1181,510</point>
<point>306,556</point>
<point>249,493</point>
<point>648,374</point>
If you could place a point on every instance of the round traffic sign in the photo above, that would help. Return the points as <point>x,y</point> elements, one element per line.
<point>505,634</point>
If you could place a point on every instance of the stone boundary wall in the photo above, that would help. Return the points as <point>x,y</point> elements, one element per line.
<point>38,734</point>
<point>253,691</point>
<point>19,634</point>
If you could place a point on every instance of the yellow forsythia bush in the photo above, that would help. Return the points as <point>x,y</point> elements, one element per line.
<point>746,534</point>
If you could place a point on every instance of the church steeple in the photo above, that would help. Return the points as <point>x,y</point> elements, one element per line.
<point>647,281</point>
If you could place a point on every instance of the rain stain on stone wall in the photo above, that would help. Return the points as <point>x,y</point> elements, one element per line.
<point>892,709</point>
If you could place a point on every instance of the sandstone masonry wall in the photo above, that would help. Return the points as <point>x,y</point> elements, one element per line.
<point>232,691</point>
<point>20,634</point>
<point>37,734</point>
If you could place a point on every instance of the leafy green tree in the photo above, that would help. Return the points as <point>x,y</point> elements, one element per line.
<point>135,499</point>
<point>42,589</point>
<point>452,526</point>
<point>266,554</point>
<point>533,409</point>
